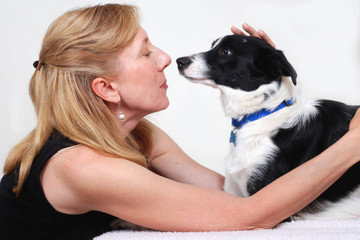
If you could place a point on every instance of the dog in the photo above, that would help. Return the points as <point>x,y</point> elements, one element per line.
<point>274,130</point>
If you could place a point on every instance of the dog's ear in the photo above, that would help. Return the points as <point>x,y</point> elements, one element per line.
<point>285,66</point>
<point>274,63</point>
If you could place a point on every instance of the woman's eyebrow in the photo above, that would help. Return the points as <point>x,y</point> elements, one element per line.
<point>143,45</point>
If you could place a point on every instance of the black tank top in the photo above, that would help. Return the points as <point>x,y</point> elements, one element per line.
<point>30,216</point>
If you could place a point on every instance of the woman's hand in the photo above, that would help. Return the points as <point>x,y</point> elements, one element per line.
<point>252,32</point>
<point>355,122</point>
<point>354,132</point>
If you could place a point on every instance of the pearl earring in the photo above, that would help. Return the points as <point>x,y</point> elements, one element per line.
<point>121,116</point>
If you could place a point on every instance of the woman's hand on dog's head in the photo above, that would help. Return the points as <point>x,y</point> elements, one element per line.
<point>252,32</point>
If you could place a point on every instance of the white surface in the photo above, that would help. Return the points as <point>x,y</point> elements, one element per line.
<point>321,38</point>
<point>298,230</point>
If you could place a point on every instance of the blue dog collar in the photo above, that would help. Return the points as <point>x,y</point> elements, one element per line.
<point>237,124</point>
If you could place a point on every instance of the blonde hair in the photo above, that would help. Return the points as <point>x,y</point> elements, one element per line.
<point>79,46</point>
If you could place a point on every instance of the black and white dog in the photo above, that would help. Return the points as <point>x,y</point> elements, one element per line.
<point>274,131</point>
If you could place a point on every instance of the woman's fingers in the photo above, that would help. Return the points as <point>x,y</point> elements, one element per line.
<point>237,31</point>
<point>252,32</point>
<point>266,38</point>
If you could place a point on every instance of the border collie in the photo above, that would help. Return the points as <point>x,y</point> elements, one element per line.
<point>274,131</point>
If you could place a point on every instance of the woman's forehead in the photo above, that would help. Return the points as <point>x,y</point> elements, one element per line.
<point>141,34</point>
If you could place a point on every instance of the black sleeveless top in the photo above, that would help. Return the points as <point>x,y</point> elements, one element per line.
<point>30,216</point>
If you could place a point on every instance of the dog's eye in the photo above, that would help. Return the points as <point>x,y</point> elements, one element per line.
<point>225,52</point>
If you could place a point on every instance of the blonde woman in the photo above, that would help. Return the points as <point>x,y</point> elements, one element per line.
<point>93,158</point>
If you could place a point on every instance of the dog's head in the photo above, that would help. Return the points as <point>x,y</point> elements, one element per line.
<point>241,63</point>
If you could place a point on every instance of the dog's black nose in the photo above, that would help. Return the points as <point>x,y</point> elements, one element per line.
<point>183,62</point>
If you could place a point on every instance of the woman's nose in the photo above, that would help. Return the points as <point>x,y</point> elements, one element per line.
<point>164,60</point>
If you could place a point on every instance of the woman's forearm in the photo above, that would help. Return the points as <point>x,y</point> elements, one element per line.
<point>296,189</point>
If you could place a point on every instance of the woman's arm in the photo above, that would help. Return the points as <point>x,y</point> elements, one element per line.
<point>170,161</point>
<point>85,180</point>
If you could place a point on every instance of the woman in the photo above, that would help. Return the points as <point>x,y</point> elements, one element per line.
<point>88,160</point>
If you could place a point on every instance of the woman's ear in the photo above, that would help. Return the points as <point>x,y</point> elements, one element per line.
<point>105,89</point>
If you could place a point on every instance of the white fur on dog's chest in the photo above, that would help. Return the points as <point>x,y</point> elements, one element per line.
<point>253,147</point>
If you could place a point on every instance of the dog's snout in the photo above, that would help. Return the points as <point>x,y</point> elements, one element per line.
<point>183,62</point>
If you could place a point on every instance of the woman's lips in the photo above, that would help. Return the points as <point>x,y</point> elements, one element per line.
<point>164,85</point>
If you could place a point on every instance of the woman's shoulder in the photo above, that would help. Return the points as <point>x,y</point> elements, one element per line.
<point>74,159</point>
<point>84,163</point>
<point>75,175</point>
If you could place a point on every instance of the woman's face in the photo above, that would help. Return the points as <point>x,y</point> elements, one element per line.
<point>141,81</point>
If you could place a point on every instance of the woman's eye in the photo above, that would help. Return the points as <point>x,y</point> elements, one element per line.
<point>148,54</point>
<point>225,52</point>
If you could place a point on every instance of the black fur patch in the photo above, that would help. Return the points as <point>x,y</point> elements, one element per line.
<point>246,63</point>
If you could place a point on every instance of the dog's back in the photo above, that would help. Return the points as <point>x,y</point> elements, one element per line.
<point>304,141</point>
<point>308,139</point>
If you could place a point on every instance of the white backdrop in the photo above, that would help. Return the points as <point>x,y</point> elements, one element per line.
<point>321,38</point>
